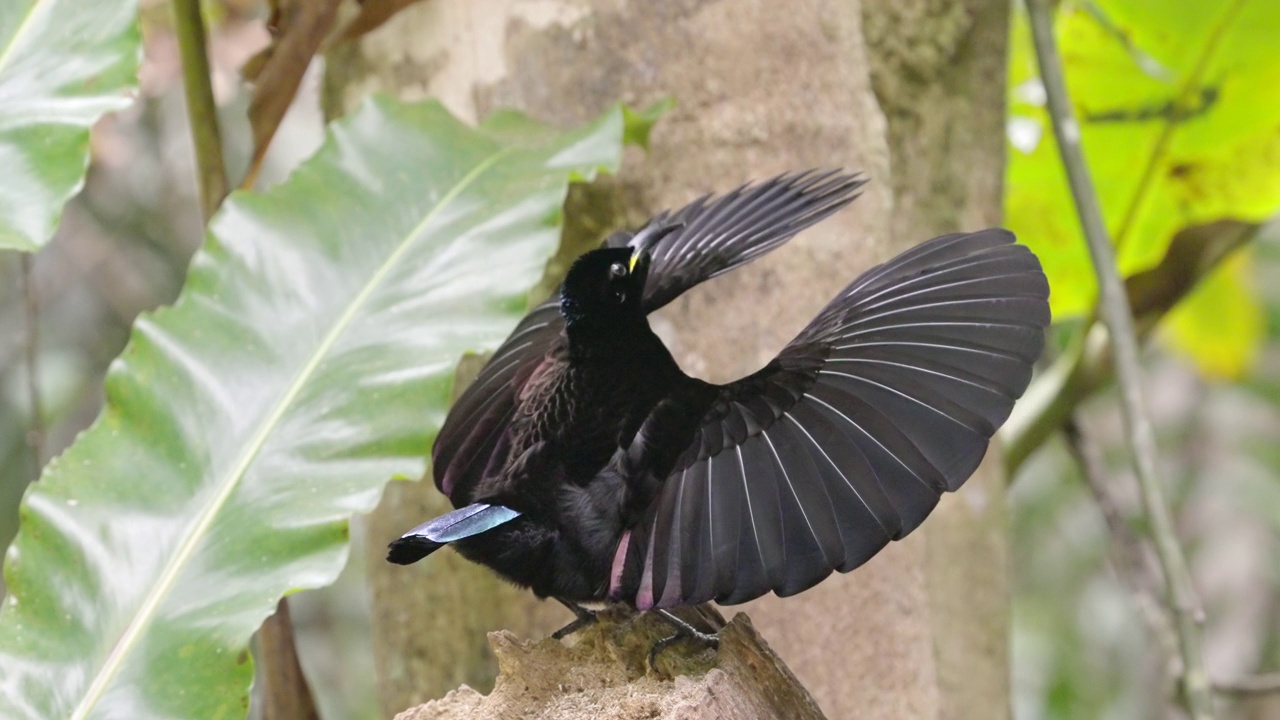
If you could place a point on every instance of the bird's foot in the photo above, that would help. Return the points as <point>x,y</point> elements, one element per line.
<point>684,632</point>
<point>584,617</point>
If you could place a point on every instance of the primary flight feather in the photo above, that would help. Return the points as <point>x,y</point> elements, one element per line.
<point>587,466</point>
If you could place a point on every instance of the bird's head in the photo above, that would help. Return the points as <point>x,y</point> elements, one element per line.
<point>603,287</point>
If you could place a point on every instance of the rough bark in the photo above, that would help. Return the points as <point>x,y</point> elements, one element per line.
<point>762,87</point>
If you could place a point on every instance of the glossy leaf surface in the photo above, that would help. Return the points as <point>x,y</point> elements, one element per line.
<point>308,360</point>
<point>63,63</point>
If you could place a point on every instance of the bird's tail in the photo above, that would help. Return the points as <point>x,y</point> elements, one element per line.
<point>457,525</point>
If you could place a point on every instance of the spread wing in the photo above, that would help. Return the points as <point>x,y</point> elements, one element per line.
<point>721,233</point>
<point>718,234</point>
<point>848,438</point>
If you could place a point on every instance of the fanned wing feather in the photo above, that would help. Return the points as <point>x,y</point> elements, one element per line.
<point>847,439</point>
<point>724,232</point>
<point>719,234</point>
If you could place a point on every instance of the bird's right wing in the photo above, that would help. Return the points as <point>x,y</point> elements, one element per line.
<point>721,233</point>
<point>848,438</point>
<point>472,435</point>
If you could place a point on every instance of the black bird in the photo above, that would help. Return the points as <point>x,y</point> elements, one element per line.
<point>587,466</point>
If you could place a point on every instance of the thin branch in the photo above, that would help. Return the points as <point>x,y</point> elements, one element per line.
<point>1251,685</point>
<point>35,430</point>
<point>302,28</point>
<point>1134,566</point>
<point>1118,317</point>
<point>287,696</point>
<point>1130,554</point>
<point>1087,367</point>
<point>202,113</point>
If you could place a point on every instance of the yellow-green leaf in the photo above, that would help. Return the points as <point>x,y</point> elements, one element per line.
<point>1178,121</point>
<point>1221,324</point>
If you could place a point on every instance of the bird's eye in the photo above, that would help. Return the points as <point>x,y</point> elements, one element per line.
<point>617,271</point>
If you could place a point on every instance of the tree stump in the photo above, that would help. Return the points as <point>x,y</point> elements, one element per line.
<point>602,673</point>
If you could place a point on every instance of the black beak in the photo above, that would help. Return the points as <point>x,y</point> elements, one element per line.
<point>643,243</point>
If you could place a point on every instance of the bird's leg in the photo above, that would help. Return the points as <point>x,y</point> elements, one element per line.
<point>684,631</point>
<point>584,618</point>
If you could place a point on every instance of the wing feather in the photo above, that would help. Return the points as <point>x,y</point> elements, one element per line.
<point>473,436</point>
<point>719,234</point>
<point>698,571</point>
<point>867,520</point>
<point>757,551</point>
<point>812,542</point>
<point>850,436</point>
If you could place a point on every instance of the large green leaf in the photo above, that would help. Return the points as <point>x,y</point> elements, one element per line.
<point>308,360</point>
<point>63,63</point>
<point>1178,120</point>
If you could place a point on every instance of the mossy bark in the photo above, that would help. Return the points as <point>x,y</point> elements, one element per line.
<point>938,69</point>
<point>603,672</point>
<point>909,92</point>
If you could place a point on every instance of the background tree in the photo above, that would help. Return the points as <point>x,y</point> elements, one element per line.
<point>760,87</point>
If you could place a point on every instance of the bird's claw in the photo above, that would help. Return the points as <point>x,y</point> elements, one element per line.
<point>584,617</point>
<point>684,631</point>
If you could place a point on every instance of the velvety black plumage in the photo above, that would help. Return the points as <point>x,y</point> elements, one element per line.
<point>588,466</point>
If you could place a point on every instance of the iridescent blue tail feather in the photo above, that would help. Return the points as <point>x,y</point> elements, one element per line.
<point>451,527</point>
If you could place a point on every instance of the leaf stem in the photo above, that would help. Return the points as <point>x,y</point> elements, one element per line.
<point>35,429</point>
<point>305,30</point>
<point>202,113</point>
<point>1118,317</point>
<point>286,695</point>
<point>1086,367</point>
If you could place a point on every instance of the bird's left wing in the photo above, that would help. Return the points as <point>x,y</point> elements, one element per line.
<point>848,438</point>
<point>718,234</point>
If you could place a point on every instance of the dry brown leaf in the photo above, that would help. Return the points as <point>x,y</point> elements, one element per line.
<point>372,14</point>
<point>299,29</point>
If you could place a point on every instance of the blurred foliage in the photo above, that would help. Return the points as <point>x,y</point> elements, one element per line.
<point>1180,127</point>
<point>639,123</point>
<point>1221,324</point>
<point>1082,648</point>
<point>308,360</point>
<point>63,64</point>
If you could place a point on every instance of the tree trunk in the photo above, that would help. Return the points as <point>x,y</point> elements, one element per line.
<point>939,69</point>
<point>910,92</point>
